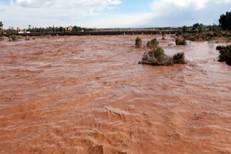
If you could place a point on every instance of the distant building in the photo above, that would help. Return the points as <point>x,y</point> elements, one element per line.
<point>24,32</point>
<point>21,32</point>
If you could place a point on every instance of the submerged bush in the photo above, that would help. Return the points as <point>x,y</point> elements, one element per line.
<point>179,58</point>
<point>220,47</point>
<point>158,53</point>
<point>153,44</point>
<point>225,55</point>
<point>27,38</point>
<point>13,38</point>
<point>180,41</point>
<point>138,42</point>
<point>156,57</point>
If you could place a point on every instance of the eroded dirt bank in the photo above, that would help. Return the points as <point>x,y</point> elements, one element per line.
<point>89,95</point>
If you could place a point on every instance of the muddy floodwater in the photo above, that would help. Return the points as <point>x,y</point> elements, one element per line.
<point>89,95</point>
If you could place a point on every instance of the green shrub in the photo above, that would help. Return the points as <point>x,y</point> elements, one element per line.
<point>156,57</point>
<point>180,41</point>
<point>198,28</point>
<point>138,42</point>
<point>191,37</point>
<point>153,44</point>
<point>179,58</point>
<point>158,53</point>
<point>225,55</point>
<point>220,47</point>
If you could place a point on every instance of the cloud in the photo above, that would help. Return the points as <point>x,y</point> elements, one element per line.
<point>164,4</point>
<point>120,20</point>
<point>191,4</point>
<point>53,12</point>
<point>99,13</point>
<point>179,12</point>
<point>62,4</point>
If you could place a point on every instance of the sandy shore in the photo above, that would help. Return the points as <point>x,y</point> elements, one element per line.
<point>89,95</point>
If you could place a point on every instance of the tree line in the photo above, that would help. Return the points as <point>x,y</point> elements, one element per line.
<point>58,29</point>
<point>224,24</point>
<point>51,29</point>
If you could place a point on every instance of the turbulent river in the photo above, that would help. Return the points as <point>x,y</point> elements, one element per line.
<point>89,95</point>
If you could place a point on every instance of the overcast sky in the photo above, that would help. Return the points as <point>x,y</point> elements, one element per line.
<point>111,13</point>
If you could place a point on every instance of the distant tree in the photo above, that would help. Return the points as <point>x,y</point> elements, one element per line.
<point>1,28</point>
<point>61,29</point>
<point>184,29</point>
<point>76,29</point>
<point>11,31</point>
<point>214,28</point>
<point>1,24</point>
<point>225,21</point>
<point>198,27</point>
<point>54,29</point>
<point>138,42</point>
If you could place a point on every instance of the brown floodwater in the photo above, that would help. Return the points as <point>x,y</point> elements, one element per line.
<point>88,95</point>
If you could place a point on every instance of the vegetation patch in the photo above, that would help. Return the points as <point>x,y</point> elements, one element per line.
<point>138,42</point>
<point>200,32</point>
<point>27,38</point>
<point>180,41</point>
<point>13,38</point>
<point>179,58</point>
<point>220,47</point>
<point>153,44</point>
<point>157,57</point>
<point>225,54</point>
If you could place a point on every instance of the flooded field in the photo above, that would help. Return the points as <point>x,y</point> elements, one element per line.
<point>88,95</point>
